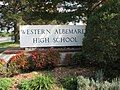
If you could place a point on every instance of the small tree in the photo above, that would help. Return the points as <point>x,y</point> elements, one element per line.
<point>102,41</point>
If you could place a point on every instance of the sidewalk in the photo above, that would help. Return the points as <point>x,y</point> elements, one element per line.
<point>5,39</point>
<point>6,57</point>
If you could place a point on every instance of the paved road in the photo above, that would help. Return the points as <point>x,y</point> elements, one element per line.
<point>5,39</point>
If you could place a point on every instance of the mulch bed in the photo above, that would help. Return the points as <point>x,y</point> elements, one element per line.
<point>58,73</point>
<point>61,72</point>
<point>18,78</point>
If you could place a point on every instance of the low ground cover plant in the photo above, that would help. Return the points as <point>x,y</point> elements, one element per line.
<point>69,83</point>
<point>38,83</point>
<point>91,84</point>
<point>5,83</point>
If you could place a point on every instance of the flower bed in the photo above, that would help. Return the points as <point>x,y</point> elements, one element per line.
<point>29,61</point>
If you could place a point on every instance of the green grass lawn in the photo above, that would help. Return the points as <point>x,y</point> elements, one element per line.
<point>9,44</point>
<point>5,34</point>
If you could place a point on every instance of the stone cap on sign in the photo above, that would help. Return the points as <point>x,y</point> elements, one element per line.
<point>61,49</point>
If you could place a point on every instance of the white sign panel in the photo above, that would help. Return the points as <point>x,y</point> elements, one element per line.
<point>51,35</point>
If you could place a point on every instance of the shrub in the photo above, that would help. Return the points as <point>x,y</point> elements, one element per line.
<point>39,59</point>
<point>69,83</point>
<point>16,64</point>
<point>91,84</point>
<point>38,83</point>
<point>115,84</point>
<point>53,57</point>
<point>101,42</point>
<point>20,60</point>
<point>2,67</point>
<point>111,73</point>
<point>74,59</point>
<point>5,83</point>
<point>79,59</point>
<point>12,70</point>
<point>45,59</point>
<point>83,83</point>
<point>99,75</point>
<point>8,69</point>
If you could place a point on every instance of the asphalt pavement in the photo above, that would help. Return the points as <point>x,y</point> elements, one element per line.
<point>6,39</point>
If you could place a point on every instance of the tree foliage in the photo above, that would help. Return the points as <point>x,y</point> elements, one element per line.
<point>30,11</point>
<point>102,42</point>
<point>47,11</point>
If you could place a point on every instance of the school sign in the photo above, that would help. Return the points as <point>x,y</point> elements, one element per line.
<point>51,35</point>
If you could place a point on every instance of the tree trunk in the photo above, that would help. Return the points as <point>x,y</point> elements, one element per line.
<point>16,32</point>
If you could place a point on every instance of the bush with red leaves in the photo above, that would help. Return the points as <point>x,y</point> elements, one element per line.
<point>38,59</point>
<point>45,58</point>
<point>20,60</point>
<point>53,57</point>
